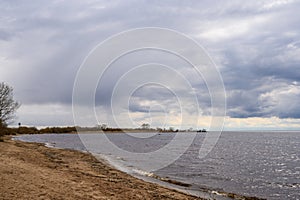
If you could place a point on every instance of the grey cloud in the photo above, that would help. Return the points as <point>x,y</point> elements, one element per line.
<point>43,44</point>
<point>261,62</point>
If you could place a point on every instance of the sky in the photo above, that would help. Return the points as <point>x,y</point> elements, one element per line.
<point>255,46</point>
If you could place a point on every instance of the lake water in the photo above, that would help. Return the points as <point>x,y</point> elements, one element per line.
<point>260,164</point>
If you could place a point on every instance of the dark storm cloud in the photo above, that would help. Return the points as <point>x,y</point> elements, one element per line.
<point>263,61</point>
<point>50,40</point>
<point>255,45</point>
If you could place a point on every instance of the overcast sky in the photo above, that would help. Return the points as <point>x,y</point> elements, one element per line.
<point>255,45</point>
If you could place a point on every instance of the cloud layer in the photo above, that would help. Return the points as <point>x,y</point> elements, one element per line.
<point>256,46</point>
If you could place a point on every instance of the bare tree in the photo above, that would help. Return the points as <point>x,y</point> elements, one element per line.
<point>8,105</point>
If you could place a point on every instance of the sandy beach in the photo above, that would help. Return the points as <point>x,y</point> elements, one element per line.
<point>33,171</point>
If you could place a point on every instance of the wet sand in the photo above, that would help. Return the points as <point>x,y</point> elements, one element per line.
<point>33,171</point>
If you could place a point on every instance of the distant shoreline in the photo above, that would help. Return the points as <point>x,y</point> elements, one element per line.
<point>75,129</point>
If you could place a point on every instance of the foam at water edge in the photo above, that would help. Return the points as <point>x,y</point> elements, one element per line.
<point>153,178</point>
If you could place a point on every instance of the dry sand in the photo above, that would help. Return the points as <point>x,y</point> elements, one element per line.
<point>33,171</point>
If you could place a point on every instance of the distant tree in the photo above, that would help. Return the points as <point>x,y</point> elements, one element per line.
<point>103,126</point>
<point>8,105</point>
<point>159,129</point>
<point>145,126</point>
<point>171,129</point>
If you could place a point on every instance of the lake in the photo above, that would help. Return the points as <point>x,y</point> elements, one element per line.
<point>259,164</point>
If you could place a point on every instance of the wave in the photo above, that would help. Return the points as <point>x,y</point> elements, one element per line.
<point>152,175</point>
<point>187,188</point>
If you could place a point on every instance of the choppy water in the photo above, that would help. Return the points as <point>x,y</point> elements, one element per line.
<point>261,164</point>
